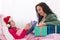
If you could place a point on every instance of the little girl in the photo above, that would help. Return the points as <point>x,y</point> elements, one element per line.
<point>13,30</point>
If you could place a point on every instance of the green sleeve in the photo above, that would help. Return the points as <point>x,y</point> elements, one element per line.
<point>52,19</point>
<point>53,22</point>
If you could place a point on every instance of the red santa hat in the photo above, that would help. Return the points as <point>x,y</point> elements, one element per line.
<point>7,19</point>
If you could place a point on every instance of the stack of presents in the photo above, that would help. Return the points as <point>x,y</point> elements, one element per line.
<point>45,30</point>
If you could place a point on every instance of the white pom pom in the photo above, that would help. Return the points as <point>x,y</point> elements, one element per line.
<point>8,25</point>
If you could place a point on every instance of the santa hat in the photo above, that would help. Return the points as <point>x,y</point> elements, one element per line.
<point>7,19</point>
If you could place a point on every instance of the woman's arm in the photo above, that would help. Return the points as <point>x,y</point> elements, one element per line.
<point>42,24</point>
<point>52,19</point>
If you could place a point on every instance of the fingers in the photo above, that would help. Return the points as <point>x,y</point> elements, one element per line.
<point>42,24</point>
<point>27,26</point>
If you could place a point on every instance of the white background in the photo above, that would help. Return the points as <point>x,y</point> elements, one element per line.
<point>23,11</point>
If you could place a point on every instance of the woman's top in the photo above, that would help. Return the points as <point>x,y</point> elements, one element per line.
<point>51,19</point>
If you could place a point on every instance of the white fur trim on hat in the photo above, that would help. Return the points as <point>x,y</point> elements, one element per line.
<point>8,25</point>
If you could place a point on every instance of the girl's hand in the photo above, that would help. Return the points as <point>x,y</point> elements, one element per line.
<point>27,26</point>
<point>41,24</point>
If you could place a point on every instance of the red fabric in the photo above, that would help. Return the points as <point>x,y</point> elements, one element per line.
<point>6,19</point>
<point>13,32</point>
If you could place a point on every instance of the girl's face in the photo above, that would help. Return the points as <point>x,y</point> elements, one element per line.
<point>12,23</point>
<point>40,10</point>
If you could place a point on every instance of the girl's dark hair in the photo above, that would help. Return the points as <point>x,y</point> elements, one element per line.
<point>45,8</point>
<point>10,26</point>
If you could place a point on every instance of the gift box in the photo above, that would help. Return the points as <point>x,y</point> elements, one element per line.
<point>37,31</point>
<point>44,30</point>
<point>32,24</point>
<point>40,31</point>
<point>50,29</point>
<point>58,29</point>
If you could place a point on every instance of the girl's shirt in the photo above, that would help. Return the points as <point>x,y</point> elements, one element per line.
<point>13,31</point>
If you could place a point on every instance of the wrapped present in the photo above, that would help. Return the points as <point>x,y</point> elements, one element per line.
<point>44,30</point>
<point>37,31</point>
<point>40,31</point>
<point>58,29</point>
<point>50,29</point>
<point>32,24</point>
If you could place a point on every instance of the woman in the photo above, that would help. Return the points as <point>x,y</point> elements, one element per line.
<point>45,15</point>
<point>15,32</point>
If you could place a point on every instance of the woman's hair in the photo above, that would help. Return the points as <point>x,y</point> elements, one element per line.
<point>45,8</point>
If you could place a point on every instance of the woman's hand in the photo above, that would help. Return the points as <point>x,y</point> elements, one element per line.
<point>41,24</point>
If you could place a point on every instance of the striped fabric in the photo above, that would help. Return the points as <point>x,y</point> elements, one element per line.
<point>2,36</point>
<point>48,37</point>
